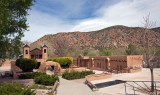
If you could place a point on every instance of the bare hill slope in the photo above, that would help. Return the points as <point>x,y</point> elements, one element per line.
<point>114,36</point>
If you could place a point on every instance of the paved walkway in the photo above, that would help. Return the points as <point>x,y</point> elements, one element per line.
<point>75,87</point>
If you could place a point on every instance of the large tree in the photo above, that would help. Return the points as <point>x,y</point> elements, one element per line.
<point>149,48</point>
<point>13,17</point>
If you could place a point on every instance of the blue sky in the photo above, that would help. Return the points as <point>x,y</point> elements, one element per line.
<point>54,16</point>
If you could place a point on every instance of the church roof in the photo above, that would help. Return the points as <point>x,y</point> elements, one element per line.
<point>35,49</point>
<point>26,45</point>
<point>44,46</point>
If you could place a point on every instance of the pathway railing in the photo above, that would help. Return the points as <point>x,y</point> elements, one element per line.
<point>141,87</point>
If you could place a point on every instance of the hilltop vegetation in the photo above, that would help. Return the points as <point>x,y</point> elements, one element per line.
<point>115,38</point>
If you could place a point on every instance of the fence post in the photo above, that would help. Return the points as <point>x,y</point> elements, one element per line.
<point>125,88</point>
<point>134,90</point>
<point>155,88</point>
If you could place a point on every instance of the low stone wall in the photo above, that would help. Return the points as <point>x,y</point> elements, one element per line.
<point>14,68</point>
<point>120,71</point>
<point>76,69</point>
<point>126,70</point>
<point>98,76</point>
<point>17,74</point>
<point>135,70</point>
<point>96,68</point>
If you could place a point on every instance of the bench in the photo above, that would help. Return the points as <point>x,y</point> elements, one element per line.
<point>92,86</point>
<point>54,89</point>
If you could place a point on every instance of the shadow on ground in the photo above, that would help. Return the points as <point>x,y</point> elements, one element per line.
<point>109,83</point>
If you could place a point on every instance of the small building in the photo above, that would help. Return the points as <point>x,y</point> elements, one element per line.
<point>108,63</point>
<point>41,55</point>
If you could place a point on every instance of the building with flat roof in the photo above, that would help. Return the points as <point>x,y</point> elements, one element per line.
<point>110,63</point>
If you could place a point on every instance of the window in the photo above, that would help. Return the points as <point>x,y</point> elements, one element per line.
<point>26,51</point>
<point>32,56</point>
<point>45,51</point>
<point>36,56</point>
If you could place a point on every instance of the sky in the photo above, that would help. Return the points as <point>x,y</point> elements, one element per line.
<point>55,16</point>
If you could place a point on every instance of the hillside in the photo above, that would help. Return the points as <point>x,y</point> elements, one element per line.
<point>114,37</point>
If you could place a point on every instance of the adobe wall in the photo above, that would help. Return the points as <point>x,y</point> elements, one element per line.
<point>75,63</point>
<point>118,62</point>
<point>15,69</point>
<point>134,61</point>
<point>99,63</point>
<point>95,63</point>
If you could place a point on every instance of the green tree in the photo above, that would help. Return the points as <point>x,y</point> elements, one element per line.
<point>12,26</point>
<point>106,52</point>
<point>93,53</point>
<point>132,50</point>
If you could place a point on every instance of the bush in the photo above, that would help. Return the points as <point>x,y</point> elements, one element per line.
<point>40,78</point>
<point>27,65</point>
<point>65,62</point>
<point>44,79</point>
<point>76,75</point>
<point>30,75</point>
<point>14,89</point>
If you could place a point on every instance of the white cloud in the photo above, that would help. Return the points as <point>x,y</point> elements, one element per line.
<point>125,12</point>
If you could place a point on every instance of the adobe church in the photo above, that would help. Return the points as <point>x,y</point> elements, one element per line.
<point>41,55</point>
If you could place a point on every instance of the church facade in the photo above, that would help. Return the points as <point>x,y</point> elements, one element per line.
<point>41,55</point>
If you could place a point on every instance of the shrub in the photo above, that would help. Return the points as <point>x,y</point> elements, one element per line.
<point>27,65</point>
<point>30,75</point>
<point>14,89</point>
<point>65,62</point>
<point>46,79</point>
<point>76,75</point>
